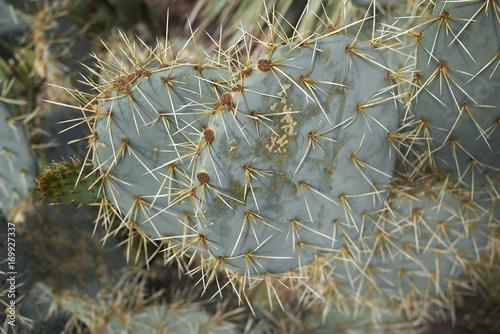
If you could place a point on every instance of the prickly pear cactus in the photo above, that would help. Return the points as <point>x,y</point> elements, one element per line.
<point>454,100</point>
<point>422,243</point>
<point>161,318</point>
<point>18,165</point>
<point>277,167</point>
<point>249,164</point>
<point>124,308</point>
<point>36,313</point>
<point>358,320</point>
<point>67,182</point>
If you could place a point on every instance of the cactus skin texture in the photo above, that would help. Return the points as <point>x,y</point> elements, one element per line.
<point>250,164</point>
<point>455,104</point>
<point>426,238</point>
<point>18,165</point>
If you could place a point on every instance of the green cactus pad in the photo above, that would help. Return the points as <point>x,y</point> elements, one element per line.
<point>359,320</point>
<point>251,163</point>
<point>126,306</point>
<point>18,165</point>
<point>420,245</point>
<point>66,182</point>
<point>455,99</point>
<point>163,318</point>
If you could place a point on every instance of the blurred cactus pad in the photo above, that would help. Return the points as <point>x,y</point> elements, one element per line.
<point>18,164</point>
